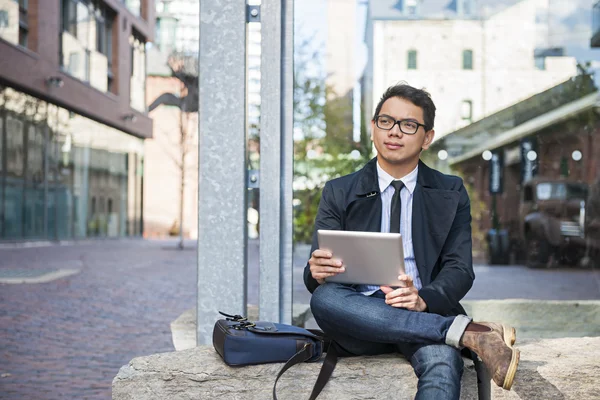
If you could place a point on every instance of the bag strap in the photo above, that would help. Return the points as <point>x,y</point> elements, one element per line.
<point>326,369</point>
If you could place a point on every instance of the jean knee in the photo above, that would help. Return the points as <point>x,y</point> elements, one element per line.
<point>440,360</point>
<point>319,300</point>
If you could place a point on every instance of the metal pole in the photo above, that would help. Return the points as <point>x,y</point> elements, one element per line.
<point>276,154</point>
<point>287,160</point>
<point>222,163</point>
<point>270,161</point>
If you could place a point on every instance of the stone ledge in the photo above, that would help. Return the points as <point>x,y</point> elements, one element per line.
<point>199,373</point>
<point>183,329</point>
<point>550,369</point>
<point>556,369</point>
<point>533,319</point>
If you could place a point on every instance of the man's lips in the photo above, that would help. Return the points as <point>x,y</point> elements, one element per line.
<point>393,146</point>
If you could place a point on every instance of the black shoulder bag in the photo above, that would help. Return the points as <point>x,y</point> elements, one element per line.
<point>241,342</point>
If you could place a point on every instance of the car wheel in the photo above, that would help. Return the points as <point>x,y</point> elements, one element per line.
<point>538,252</point>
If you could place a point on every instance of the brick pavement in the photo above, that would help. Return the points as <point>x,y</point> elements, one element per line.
<point>66,339</point>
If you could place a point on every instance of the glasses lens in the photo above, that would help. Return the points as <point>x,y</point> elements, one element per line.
<point>409,127</point>
<point>384,122</point>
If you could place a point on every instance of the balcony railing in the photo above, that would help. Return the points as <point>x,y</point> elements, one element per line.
<point>595,42</point>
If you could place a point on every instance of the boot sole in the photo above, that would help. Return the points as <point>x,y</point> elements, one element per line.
<point>510,335</point>
<point>512,370</point>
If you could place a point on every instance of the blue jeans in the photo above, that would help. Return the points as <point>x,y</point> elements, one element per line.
<point>365,325</point>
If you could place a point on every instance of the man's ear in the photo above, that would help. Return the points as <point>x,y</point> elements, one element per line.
<point>429,135</point>
<point>372,129</point>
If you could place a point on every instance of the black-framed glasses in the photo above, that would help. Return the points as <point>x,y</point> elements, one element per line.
<point>407,126</point>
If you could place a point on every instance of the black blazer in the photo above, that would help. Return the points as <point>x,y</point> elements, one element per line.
<point>441,229</point>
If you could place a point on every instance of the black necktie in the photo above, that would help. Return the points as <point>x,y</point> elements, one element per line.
<point>396,207</point>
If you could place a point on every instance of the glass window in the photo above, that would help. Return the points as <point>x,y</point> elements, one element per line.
<point>561,191</point>
<point>467,110</point>
<point>86,41</point>
<point>138,72</point>
<point>540,63</point>
<point>412,59</point>
<point>467,59</point>
<point>135,6</point>
<point>15,157</point>
<point>1,146</point>
<point>89,182</point>
<point>9,21</point>
<point>466,7</point>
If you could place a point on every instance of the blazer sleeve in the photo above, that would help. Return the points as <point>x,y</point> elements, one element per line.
<point>456,274</point>
<point>328,217</point>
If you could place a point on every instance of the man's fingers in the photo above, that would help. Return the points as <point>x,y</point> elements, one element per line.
<point>406,279</point>
<point>398,293</point>
<point>324,262</point>
<point>323,275</point>
<point>386,289</point>
<point>328,270</point>
<point>318,253</point>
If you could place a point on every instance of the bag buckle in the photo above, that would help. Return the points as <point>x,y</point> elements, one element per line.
<point>236,318</point>
<point>243,325</point>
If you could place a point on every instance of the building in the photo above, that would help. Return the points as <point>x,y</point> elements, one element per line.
<point>72,117</point>
<point>475,57</point>
<point>553,134</point>
<point>177,34</point>
<point>595,40</point>
<point>178,24</point>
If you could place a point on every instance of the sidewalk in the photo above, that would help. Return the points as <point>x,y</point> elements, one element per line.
<point>67,338</point>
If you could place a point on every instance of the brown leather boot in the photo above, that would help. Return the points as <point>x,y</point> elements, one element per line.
<point>500,359</point>
<point>506,331</point>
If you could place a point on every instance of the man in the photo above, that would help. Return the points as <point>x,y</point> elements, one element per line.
<point>423,319</point>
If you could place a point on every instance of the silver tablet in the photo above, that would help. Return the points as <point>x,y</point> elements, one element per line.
<point>370,258</point>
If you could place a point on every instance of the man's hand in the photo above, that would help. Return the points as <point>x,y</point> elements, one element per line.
<point>322,265</point>
<point>406,296</point>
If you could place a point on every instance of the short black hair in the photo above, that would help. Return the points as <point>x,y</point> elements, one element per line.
<point>419,97</point>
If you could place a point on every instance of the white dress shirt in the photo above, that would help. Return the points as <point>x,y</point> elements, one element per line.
<point>406,197</point>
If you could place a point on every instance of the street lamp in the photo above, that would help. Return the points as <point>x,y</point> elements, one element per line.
<point>443,155</point>
<point>486,155</point>
<point>577,156</point>
<point>531,155</point>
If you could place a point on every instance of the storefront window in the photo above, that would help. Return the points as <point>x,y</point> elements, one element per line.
<point>65,175</point>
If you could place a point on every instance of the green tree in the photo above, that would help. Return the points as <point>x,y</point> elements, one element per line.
<point>324,148</point>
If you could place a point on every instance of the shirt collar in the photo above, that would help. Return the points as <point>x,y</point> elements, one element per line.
<point>410,180</point>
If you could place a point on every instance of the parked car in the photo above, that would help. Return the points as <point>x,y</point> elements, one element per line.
<point>592,227</point>
<point>551,222</point>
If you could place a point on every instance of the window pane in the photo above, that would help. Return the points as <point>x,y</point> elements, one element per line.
<point>138,72</point>
<point>135,6</point>
<point>412,59</point>
<point>9,22</point>
<point>1,144</point>
<point>467,59</point>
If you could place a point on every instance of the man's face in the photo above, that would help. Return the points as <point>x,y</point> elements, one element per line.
<point>395,148</point>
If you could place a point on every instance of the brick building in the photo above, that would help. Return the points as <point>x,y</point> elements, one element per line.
<point>553,134</point>
<point>73,117</point>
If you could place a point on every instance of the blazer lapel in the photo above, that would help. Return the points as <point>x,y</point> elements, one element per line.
<point>363,207</point>
<point>433,213</point>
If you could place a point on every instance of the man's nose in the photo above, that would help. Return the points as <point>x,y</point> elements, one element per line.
<point>395,130</point>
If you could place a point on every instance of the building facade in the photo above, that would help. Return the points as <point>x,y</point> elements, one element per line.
<point>177,34</point>
<point>72,117</point>
<point>474,57</point>
<point>595,39</point>
<point>553,135</point>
